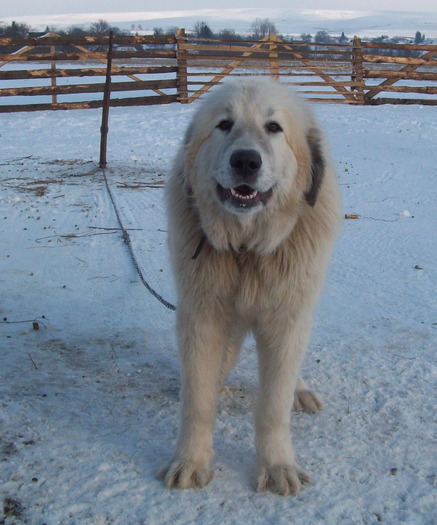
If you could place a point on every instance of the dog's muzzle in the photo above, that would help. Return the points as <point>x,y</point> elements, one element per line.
<point>245,164</point>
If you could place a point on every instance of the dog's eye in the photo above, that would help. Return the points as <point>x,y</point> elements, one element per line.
<point>225,124</point>
<point>273,127</point>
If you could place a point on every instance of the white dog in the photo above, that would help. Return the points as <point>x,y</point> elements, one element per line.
<point>253,209</point>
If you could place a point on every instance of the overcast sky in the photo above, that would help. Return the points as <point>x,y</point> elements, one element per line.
<point>10,8</point>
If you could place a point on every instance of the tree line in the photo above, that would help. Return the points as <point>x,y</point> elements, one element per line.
<point>99,28</point>
<point>259,29</point>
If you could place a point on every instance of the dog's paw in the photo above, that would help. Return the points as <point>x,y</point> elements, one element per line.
<point>307,401</point>
<point>286,480</point>
<point>183,474</point>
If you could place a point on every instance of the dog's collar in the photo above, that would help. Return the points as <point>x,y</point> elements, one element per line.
<point>199,247</point>
<point>190,203</point>
<point>241,250</point>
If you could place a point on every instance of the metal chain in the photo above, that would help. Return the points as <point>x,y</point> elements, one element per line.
<point>127,241</point>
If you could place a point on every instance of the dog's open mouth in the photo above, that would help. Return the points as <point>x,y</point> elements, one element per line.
<point>243,196</point>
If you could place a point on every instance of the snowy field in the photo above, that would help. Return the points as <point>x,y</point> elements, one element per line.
<point>89,402</point>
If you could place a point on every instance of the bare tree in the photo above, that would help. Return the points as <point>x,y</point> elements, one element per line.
<point>262,27</point>
<point>16,30</point>
<point>322,37</point>
<point>171,30</point>
<point>228,34</point>
<point>202,30</point>
<point>102,28</point>
<point>74,31</point>
<point>305,37</point>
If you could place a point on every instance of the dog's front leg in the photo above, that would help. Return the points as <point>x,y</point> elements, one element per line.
<point>280,351</point>
<point>202,343</point>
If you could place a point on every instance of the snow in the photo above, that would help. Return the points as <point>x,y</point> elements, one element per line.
<point>89,402</point>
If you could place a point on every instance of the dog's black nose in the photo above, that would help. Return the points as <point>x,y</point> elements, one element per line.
<point>246,162</point>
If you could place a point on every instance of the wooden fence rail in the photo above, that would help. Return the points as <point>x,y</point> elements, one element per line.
<point>58,72</point>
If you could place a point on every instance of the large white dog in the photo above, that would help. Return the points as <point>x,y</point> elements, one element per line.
<point>253,209</point>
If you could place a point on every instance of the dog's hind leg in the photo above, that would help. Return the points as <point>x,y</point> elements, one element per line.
<point>305,400</point>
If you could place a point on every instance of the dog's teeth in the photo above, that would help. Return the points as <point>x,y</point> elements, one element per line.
<point>241,196</point>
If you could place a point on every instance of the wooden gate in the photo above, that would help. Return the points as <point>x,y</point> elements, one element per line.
<point>319,71</point>
<point>398,74</point>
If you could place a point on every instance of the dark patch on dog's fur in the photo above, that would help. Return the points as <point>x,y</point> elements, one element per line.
<point>189,197</point>
<point>317,166</point>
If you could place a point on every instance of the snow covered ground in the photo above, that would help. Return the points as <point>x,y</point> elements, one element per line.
<point>89,402</point>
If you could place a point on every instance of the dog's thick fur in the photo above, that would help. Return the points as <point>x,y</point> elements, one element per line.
<point>253,181</point>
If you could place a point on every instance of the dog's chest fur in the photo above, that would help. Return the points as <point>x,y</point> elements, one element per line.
<point>257,283</point>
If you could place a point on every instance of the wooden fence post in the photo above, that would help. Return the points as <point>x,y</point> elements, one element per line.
<point>53,78</point>
<point>181,59</point>
<point>273,56</point>
<point>358,70</point>
<point>105,110</point>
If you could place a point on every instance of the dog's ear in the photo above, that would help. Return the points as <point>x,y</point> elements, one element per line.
<point>180,169</point>
<point>189,196</point>
<point>317,165</point>
<point>189,133</point>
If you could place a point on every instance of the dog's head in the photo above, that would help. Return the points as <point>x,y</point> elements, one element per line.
<point>251,146</point>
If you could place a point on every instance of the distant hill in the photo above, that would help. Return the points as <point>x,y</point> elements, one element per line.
<point>288,21</point>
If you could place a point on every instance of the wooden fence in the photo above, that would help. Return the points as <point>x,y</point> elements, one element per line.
<point>69,73</point>
<point>58,72</point>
